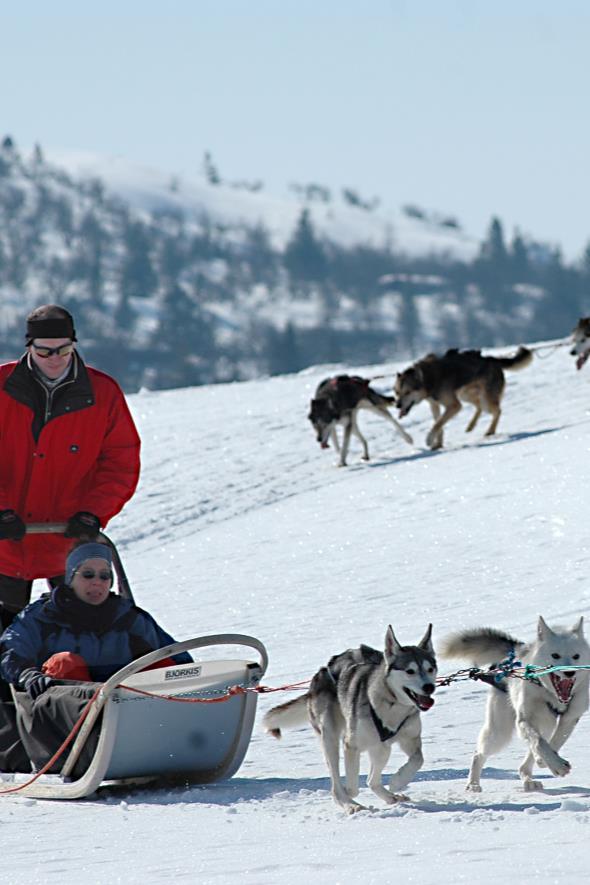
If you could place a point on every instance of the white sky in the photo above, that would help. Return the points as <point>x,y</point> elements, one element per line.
<point>461,106</point>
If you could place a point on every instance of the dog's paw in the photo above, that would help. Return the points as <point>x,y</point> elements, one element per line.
<point>531,786</point>
<point>560,767</point>
<point>392,798</point>
<point>354,807</point>
<point>554,762</point>
<point>434,441</point>
<point>472,787</point>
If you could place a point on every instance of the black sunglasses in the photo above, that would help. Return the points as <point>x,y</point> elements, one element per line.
<point>46,352</point>
<point>89,574</point>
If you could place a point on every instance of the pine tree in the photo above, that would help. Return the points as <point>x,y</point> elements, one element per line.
<point>519,260</point>
<point>304,256</point>
<point>210,169</point>
<point>138,278</point>
<point>185,337</point>
<point>493,248</point>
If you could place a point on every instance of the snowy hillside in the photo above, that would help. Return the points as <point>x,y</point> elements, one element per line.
<point>416,233</point>
<point>242,523</point>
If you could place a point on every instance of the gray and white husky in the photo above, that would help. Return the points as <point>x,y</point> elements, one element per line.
<point>545,710</point>
<point>369,700</point>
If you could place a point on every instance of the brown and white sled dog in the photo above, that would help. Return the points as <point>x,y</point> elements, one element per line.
<point>369,700</point>
<point>457,376</point>
<point>337,401</point>
<point>545,711</point>
<point>581,341</point>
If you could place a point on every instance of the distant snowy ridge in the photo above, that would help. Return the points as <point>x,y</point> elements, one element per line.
<point>410,231</point>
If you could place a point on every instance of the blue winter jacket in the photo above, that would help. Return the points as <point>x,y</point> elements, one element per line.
<point>114,634</point>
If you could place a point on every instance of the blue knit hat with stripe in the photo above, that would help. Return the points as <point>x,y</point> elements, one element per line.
<point>80,554</point>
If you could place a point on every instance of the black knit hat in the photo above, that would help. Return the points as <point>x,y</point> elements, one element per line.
<point>51,327</point>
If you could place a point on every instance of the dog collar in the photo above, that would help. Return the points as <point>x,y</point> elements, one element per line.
<point>385,733</point>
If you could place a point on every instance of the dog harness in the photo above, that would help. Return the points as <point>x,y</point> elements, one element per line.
<point>385,733</point>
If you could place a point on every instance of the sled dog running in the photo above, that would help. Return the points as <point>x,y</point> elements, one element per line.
<point>337,401</point>
<point>545,710</point>
<point>581,341</point>
<point>368,700</point>
<point>457,376</point>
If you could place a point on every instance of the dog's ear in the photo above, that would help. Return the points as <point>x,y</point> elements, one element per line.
<point>578,628</point>
<point>543,631</point>
<point>426,642</point>
<point>392,646</point>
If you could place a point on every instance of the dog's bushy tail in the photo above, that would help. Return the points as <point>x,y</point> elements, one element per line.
<point>482,647</point>
<point>380,399</point>
<point>288,715</point>
<point>522,358</point>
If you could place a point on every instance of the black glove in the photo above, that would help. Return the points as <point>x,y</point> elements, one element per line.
<point>11,526</point>
<point>83,525</point>
<point>34,682</point>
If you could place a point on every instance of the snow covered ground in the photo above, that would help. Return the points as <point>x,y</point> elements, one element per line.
<point>241,523</point>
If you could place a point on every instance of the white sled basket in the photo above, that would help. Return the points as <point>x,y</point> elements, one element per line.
<point>142,736</point>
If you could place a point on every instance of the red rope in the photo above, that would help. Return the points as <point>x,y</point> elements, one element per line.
<point>61,749</point>
<point>231,691</point>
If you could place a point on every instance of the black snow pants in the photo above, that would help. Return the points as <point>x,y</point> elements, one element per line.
<point>44,724</point>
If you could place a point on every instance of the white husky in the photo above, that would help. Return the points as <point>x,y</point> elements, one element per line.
<point>545,710</point>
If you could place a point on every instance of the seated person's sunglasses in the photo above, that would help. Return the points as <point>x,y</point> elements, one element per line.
<point>89,574</point>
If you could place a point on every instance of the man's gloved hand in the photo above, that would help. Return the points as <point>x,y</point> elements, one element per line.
<point>82,525</point>
<point>34,682</point>
<point>11,526</point>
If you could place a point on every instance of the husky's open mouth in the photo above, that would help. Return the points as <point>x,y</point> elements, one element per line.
<point>563,687</point>
<point>582,359</point>
<point>422,701</point>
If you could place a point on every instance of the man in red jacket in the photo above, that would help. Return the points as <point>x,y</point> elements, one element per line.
<point>69,453</point>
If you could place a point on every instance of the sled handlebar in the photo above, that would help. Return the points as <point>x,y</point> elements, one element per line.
<point>45,528</point>
<point>58,528</point>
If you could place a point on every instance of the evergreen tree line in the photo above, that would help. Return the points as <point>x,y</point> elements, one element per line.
<point>164,300</point>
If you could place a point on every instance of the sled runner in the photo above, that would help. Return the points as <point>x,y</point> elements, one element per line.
<point>189,722</point>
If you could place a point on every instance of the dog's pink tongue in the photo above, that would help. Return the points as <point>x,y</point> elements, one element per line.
<point>566,688</point>
<point>582,359</point>
<point>426,703</point>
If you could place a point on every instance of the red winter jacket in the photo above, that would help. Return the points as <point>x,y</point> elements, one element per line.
<point>76,449</point>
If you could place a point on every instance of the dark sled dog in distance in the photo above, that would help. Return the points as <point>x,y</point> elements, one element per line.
<point>581,341</point>
<point>457,376</point>
<point>368,700</point>
<point>337,401</point>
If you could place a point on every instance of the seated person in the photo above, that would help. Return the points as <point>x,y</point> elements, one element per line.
<point>79,631</point>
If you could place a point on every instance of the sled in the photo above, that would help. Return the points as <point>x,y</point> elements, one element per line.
<point>187,727</point>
